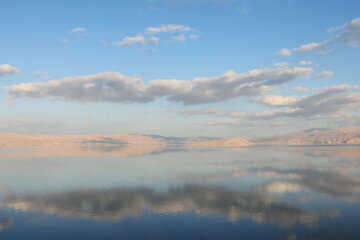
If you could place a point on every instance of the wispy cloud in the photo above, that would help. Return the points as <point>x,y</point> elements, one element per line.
<point>194,37</point>
<point>312,46</point>
<point>179,38</point>
<point>349,35</point>
<point>128,41</point>
<point>78,30</point>
<point>146,38</point>
<point>167,28</point>
<point>324,74</point>
<point>39,72</point>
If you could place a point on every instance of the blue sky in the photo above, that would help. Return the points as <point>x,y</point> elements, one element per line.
<point>314,82</point>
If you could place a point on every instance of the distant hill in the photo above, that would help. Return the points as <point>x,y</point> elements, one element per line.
<point>323,136</point>
<point>79,145</point>
<point>13,144</point>
<point>310,137</point>
<point>230,142</point>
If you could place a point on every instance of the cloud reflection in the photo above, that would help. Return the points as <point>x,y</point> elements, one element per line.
<point>5,223</point>
<point>115,204</point>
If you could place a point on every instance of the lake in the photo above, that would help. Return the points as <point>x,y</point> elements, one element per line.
<point>220,193</point>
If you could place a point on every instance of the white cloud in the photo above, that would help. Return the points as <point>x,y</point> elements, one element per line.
<point>128,41</point>
<point>312,46</point>
<point>276,100</point>
<point>323,53</point>
<point>194,37</point>
<point>145,39</point>
<point>329,103</point>
<point>232,84</point>
<point>153,40</point>
<point>324,74</point>
<point>284,52</point>
<point>78,30</point>
<point>301,89</point>
<point>306,63</point>
<point>326,103</point>
<point>280,64</point>
<point>179,38</point>
<point>115,87</point>
<point>39,72</point>
<point>7,69</point>
<point>167,28</point>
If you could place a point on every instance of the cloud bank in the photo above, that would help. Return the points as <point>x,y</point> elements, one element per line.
<point>115,87</point>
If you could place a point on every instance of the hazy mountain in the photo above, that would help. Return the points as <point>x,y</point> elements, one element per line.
<point>338,136</point>
<point>89,145</point>
<point>316,136</point>
<point>229,142</point>
<point>134,144</point>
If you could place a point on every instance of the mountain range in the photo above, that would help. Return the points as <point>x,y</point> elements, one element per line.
<point>135,144</point>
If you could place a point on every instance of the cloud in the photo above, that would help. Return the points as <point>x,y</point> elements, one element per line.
<point>324,74</point>
<point>78,30</point>
<point>284,52</point>
<point>194,37</point>
<point>202,111</point>
<point>145,39</point>
<point>7,69</point>
<point>128,41</point>
<point>311,46</point>
<point>38,72</point>
<point>280,64</point>
<point>115,87</point>
<point>301,89</point>
<point>179,38</point>
<point>331,103</point>
<point>327,103</point>
<point>276,100</point>
<point>305,63</point>
<point>349,35</point>
<point>231,85</point>
<point>323,53</point>
<point>167,28</point>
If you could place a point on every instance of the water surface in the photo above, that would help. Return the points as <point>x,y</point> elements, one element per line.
<point>222,193</point>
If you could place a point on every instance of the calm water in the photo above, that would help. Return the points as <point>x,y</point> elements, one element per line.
<point>236,193</point>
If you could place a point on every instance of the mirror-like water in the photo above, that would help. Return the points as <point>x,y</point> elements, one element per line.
<point>234,193</point>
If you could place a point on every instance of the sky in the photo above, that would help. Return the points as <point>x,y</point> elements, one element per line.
<point>215,68</point>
